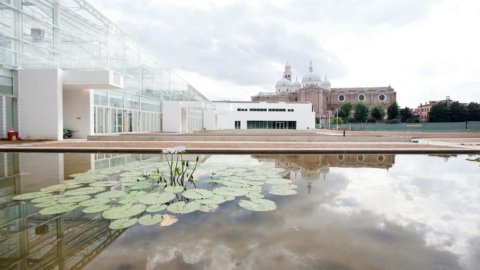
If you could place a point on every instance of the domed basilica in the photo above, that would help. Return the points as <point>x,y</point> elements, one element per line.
<point>325,99</point>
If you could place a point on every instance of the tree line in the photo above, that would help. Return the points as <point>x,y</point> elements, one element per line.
<point>454,112</point>
<point>440,112</point>
<point>361,113</point>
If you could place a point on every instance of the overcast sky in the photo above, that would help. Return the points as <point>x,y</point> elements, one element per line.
<point>230,49</point>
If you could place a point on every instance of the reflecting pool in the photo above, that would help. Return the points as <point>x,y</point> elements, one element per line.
<point>133,211</point>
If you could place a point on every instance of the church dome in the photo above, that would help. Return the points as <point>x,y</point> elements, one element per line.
<point>326,83</point>
<point>283,83</point>
<point>311,77</point>
<point>296,84</point>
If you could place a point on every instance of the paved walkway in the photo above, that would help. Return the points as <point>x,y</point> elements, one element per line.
<point>451,145</point>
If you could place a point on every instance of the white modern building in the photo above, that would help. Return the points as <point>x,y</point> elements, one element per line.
<point>65,65</point>
<point>263,115</point>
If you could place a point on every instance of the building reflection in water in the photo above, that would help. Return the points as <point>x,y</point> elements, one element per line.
<point>313,168</point>
<point>70,241</point>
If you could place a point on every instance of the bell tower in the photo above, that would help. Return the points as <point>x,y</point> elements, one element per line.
<point>287,74</point>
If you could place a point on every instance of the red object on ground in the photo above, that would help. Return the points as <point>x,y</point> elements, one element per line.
<point>12,135</point>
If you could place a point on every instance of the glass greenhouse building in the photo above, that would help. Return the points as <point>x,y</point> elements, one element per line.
<point>65,65</point>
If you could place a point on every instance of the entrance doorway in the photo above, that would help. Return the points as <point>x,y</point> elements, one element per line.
<point>279,125</point>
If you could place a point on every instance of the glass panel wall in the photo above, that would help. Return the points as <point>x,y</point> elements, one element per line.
<point>72,35</point>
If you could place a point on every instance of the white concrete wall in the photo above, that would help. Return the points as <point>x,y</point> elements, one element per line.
<point>78,112</point>
<point>227,114</point>
<point>172,116</point>
<point>209,120</point>
<point>100,79</point>
<point>40,112</point>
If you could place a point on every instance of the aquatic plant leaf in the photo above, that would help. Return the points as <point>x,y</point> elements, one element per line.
<point>207,208</point>
<point>278,181</point>
<point>58,209</point>
<point>150,219</point>
<point>131,197</point>
<point>157,198</point>
<point>83,191</point>
<point>140,185</point>
<point>45,204</point>
<point>29,196</point>
<point>104,183</point>
<point>95,201</point>
<point>285,186</point>
<point>258,205</point>
<point>59,187</point>
<point>123,211</point>
<point>174,189</point>
<point>96,208</point>
<point>156,208</point>
<point>197,193</point>
<point>122,223</point>
<point>48,198</point>
<point>254,195</point>
<point>282,191</point>
<point>230,191</point>
<point>168,220</point>
<point>110,194</point>
<point>73,199</point>
<point>474,159</point>
<point>183,208</point>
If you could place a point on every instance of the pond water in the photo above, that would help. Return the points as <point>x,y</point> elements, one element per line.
<point>239,211</point>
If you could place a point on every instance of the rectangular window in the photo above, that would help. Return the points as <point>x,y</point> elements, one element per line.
<point>237,125</point>
<point>271,124</point>
<point>290,110</point>
<point>276,110</point>
<point>258,110</point>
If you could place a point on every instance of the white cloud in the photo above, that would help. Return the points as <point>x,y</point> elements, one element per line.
<point>231,49</point>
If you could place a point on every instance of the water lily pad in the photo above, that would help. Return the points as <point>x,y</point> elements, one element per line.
<point>150,219</point>
<point>48,198</point>
<point>157,198</point>
<point>174,189</point>
<point>96,208</point>
<point>140,185</point>
<point>29,196</point>
<point>183,208</point>
<point>197,193</point>
<point>278,181</point>
<point>59,187</point>
<point>45,204</point>
<point>73,199</point>
<point>258,205</point>
<point>168,220</point>
<point>84,191</point>
<point>95,201</point>
<point>104,183</point>
<point>254,195</point>
<point>156,208</point>
<point>58,209</point>
<point>110,194</point>
<point>123,211</point>
<point>207,208</point>
<point>122,223</point>
<point>131,197</point>
<point>230,191</point>
<point>282,191</point>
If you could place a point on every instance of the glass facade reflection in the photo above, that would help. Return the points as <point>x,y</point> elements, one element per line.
<point>72,35</point>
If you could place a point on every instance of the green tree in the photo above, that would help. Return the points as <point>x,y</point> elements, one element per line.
<point>377,112</point>
<point>473,110</point>
<point>439,112</point>
<point>333,121</point>
<point>392,111</point>
<point>345,110</point>
<point>406,114</point>
<point>458,112</point>
<point>361,112</point>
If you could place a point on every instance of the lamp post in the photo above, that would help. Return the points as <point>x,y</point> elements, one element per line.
<point>337,119</point>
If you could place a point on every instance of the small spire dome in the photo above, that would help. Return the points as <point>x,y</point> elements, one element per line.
<point>326,83</point>
<point>311,78</point>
